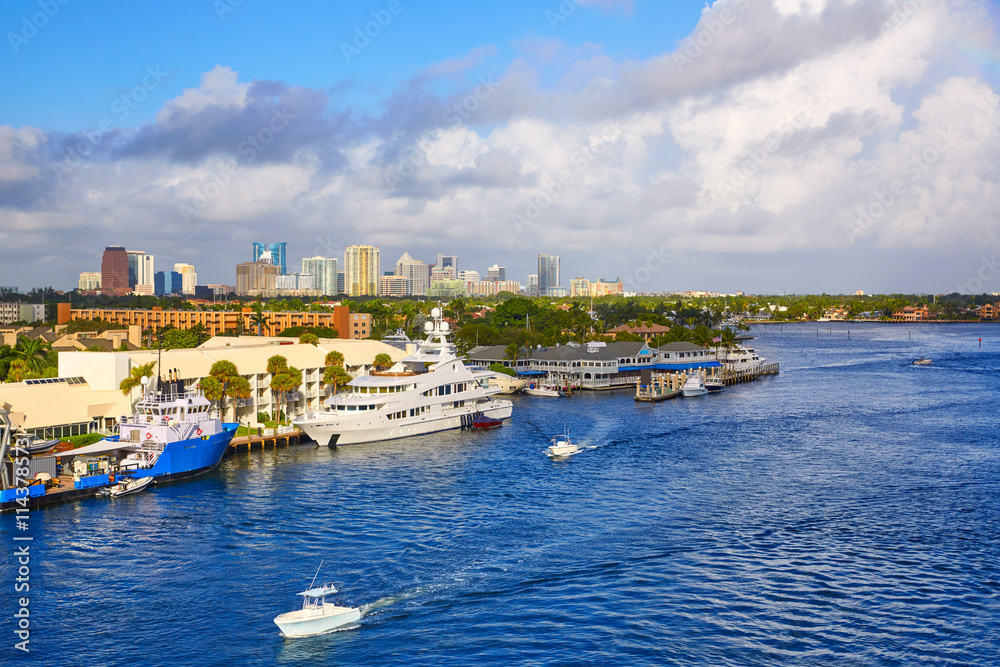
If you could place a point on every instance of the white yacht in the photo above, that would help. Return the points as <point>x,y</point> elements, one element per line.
<point>739,358</point>
<point>694,386</point>
<point>431,390</point>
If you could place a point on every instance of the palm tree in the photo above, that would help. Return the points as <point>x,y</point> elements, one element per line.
<point>259,319</point>
<point>309,338</point>
<point>382,361</point>
<point>702,335</point>
<point>729,340</point>
<point>336,376</point>
<point>334,358</point>
<point>16,372</point>
<point>230,383</point>
<point>277,367</point>
<point>277,364</point>
<point>32,352</point>
<point>135,377</point>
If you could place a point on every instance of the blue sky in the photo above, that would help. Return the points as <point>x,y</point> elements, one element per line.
<point>755,145</point>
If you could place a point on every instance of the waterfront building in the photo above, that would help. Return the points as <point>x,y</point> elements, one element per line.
<point>646,331</point>
<point>548,273</point>
<point>912,314</point>
<point>324,273</point>
<point>166,283</point>
<point>189,279</point>
<point>362,269</point>
<point>64,406</point>
<point>275,253</point>
<point>114,270</point>
<point>347,324</point>
<point>393,285</point>
<point>89,281</point>
<point>255,278</point>
<point>496,272</point>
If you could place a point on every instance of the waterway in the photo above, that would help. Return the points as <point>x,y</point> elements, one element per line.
<point>846,511</point>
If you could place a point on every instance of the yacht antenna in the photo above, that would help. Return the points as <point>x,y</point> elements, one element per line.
<point>316,575</point>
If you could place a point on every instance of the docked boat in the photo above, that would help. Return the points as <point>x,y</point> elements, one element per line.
<point>694,386</point>
<point>507,384</point>
<point>483,423</point>
<point>317,616</point>
<point>34,445</point>
<point>547,390</point>
<point>714,385</point>
<point>922,361</point>
<point>428,391</point>
<point>128,486</point>
<point>562,447</point>
<point>739,358</point>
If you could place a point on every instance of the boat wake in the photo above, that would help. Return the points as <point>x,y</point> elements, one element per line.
<point>391,600</point>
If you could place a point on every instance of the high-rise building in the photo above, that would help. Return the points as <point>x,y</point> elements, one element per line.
<point>492,287</point>
<point>442,273</point>
<point>579,287</point>
<point>140,268</point>
<point>548,274</point>
<point>166,283</point>
<point>324,273</point>
<point>189,279</point>
<point>469,276</point>
<point>253,278</point>
<point>497,273</point>
<point>89,281</point>
<point>531,287</point>
<point>416,272</point>
<point>361,268</point>
<point>114,269</point>
<point>277,250</point>
<point>445,261</point>
<point>341,283</point>
<point>393,285</point>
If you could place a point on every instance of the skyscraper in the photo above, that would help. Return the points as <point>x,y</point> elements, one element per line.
<point>324,273</point>
<point>416,272</point>
<point>90,281</point>
<point>189,279</point>
<point>114,269</point>
<point>531,288</point>
<point>548,274</point>
<point>445,261</point>
<point>140,268</point>
<point>497,273</point>
<point>166,283</point>
<point>277,251</point>
<point>361,269</point>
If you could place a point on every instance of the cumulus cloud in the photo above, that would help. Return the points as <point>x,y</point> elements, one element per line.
<point>807,127</point>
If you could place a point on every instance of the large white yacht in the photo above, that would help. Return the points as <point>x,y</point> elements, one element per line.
<point>431,390</point>
<point>739,358</point>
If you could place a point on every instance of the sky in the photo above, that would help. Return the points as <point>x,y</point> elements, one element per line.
<point>767,146</point>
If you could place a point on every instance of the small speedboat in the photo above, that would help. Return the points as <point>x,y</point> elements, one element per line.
<point>35,445</point>
<point>534,389</point>
<point>561,447</point>
<point>317,616</point>
<point>714,386</point>
<point>922,361</point>
<point>694,386</point>
<point>484,423</point>
<point>128,485</point>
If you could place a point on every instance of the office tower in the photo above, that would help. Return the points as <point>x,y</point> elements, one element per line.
<point>497,273</point>
<point>277,251</point>
<point>579,287</point>
<point>445,261</point>
<point>324,273</point>
<point>361,269</point>
<point>140,268</point>
<point>189,279</point>
<point>166,283</point>
<point>114,269</point>
<point>341,283</point>
<point>416,272</point>
<point>532,285</point>
<point>548,273</point>
<point>393,285</point>
<point>89,281</point>
<point>469,276</point>
<point>439,273</point>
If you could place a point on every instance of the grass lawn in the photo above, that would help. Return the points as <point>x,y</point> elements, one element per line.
<point>241,432</point>
<point>82,440</point>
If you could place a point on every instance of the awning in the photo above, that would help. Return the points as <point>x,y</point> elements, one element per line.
<point>96,448</point>
<point>687,367</point>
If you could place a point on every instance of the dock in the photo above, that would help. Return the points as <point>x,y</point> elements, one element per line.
<point>748,374</point>
<point>663,386</point>
<point>287,436</point>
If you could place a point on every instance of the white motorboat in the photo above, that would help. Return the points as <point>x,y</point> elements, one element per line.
<point>739,358</point>
<point>536,389</point>
<point>428,391</point>
<point>922,361</point>
<point>128,485</point>
<point>714,385</point>
<point>317,616</point>
<point>561,447</point>
<point>694,386</point>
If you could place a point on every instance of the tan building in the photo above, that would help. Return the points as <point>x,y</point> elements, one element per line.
<point>347,324</point>
<point>89,281</point>
<point>361,270</point>
<point>256,278</point>
<point>393,286</point>
<point>601,287</point>
<point>912,314</point>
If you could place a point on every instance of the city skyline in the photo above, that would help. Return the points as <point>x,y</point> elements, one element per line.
<point>791,145</point>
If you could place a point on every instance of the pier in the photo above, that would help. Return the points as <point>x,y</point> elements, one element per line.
<point>748,374</point>
<point>282,435</point>
<point>663,386</point>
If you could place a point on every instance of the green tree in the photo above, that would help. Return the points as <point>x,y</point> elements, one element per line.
<point>309,338</point>
<point>17,371</point>
<point>336,376</point>
<point>277,364</point>
<point>32,353</point>
<point>334,358</point>
<point>135,376</point>
<point>260,319</point>
<point>230,383</point>
<point>382,361</point>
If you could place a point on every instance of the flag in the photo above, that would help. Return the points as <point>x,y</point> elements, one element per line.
<point>717,339</point>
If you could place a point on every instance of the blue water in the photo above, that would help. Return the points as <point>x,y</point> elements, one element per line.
<point>846,511</point>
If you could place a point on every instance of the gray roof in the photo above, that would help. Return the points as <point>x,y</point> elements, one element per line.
<point>609,352</point>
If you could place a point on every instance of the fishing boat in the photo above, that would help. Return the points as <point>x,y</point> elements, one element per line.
<point>547,390</point>
<point>317,616</point>
<point>694,386</point>
<point>921,361</point>
<point>562,447</point>
<point>128,486</point>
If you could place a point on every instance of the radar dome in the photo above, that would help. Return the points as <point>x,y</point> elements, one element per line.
<point>444,326</point>
<point>435,312</point>
<point>428,327</point>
